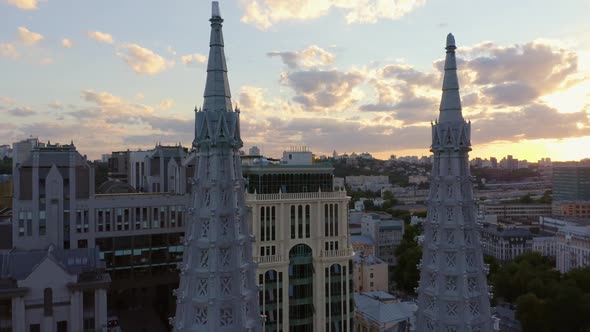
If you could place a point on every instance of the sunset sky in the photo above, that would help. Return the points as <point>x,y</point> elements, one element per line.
<point>350,75</point>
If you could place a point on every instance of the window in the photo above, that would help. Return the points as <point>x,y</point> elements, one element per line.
<point>29,223</point>
<point>163,216</point>
<point>307,221</point>
<point>47,302</point>
<point>300,221</point>
<point>21,223</point>
<point>155,215</point>
<point>137,218</point>
<point>127,218</point>
<point>292,221</point>
<point>179,210</point>
<point>119,218</point>
<point>35,328</point>
<point>62,326</point>
<point>173,216</point>
<point>145,218</point>
<point>107,219</point>
<point>42,223</point>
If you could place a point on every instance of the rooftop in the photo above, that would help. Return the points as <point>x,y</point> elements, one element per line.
<point>377,307</point>
<point>18,264</point>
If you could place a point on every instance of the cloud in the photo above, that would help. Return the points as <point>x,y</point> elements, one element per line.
<point>101,37</point>
<point>28,37</point>
<point>264,13</point>
<point>312,56</point>
<point>24,4</point>
<point>21,111</point>
<point>534,121</point>
<point>252,98</point>
<point>491,77</point>
<point>142,60</point>
<point>8,50</point>
<point>327,90</point>
<point>193,59</point>
<point>409,75</point>
<point>56,105</point>
<point>67,43</point>
<point>518,74</point>
<point>101,98</point>
<point>166,104</point>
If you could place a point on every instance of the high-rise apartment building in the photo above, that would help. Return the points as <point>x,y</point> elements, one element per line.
<point>571,181</point>
<point>300,223</point>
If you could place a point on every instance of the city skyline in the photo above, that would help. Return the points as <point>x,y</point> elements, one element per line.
<point>345,75</point>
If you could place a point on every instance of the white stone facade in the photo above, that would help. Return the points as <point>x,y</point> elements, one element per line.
<point>572,248</point>
<point>299,233</point>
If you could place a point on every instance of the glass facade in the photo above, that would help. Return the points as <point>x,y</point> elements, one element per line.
<point>337,305</point>
<point>571,183</point>
<point>271,299</point>
<point>140,255</point>
<point>285,180</point>
<point>301,308</point>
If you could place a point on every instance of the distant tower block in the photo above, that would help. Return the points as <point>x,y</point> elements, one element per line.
<point>217,291</point>
<point>453,295</point>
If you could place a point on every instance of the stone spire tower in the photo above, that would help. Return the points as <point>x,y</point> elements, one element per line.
<point>453,295</point>
<point>217,289</point>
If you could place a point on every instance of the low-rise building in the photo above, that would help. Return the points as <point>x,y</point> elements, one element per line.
<point>53,290</point>
<point>505,244</point>
<point>545,245</point>
<point>370,273</point>
<point>367,182</point>
<point>382,312</point>
<point>573,248</point>
<point>514,212</point>
<point>385,231</point>
<point>578,209</point>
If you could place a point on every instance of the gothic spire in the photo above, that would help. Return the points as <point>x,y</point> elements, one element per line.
<point>218,289</point>
<point>217,94</point>
<point>453,294</point>
<point>450,104</point>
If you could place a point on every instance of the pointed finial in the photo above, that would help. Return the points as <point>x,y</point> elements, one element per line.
<point>215,9</point>
<point>451,42</point>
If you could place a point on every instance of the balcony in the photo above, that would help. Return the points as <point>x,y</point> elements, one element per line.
<point>268,259</point>
<point>337,253</point>
<point>295,196</point>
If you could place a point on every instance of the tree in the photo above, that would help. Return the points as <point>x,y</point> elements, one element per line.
<point>406,273</point>
<point>531,313</point>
